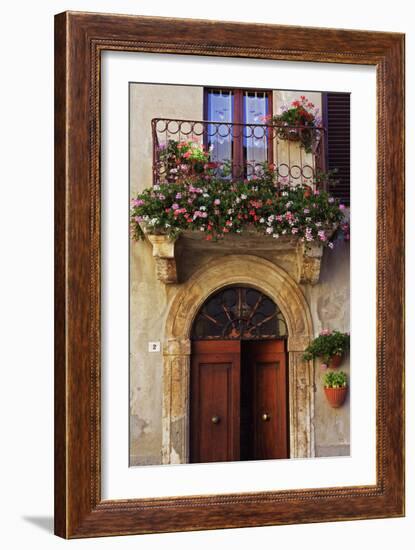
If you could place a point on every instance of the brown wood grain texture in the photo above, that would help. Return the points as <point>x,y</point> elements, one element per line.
<point>267,363</point>
<point>215,380</point>
<point>80,38</point>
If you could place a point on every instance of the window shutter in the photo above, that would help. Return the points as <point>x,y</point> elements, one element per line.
<point>336,114</point>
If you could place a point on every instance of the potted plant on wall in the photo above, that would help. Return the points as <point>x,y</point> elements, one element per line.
<point>330,346</point>
<point>335,388</point>
<point>297,121</point>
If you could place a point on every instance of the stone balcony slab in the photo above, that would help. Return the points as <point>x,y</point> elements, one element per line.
<point>306,257</point>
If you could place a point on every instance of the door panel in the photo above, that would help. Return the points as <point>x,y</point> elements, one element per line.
<point>266,369</point>
<point>214,401</point>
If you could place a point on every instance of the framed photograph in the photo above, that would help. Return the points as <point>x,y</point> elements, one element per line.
<point>229,334</point>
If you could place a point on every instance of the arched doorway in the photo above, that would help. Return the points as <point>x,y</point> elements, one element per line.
<point>274,282</point>
<point>238,378</point>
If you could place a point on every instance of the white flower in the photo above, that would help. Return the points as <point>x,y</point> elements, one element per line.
<point>205,195</point>
<point>156,187</point>
<point>202,208</point>
<point>202,228</point>
<point>269,230</point>
<point>238,200</point>
<point>275,235</point>
<point>243,197</point>
<point>262,220</point>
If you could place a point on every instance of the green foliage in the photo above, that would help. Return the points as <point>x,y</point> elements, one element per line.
<point>328,344</point>
<point>297,123</point>
<point>214,206</point>
<point>335,379</point>
<point>182,157</point>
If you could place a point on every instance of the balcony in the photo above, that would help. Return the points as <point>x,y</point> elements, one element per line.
<point>240,151</point>
<point>293,155</point>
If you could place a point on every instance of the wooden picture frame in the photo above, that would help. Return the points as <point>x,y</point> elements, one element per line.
<point>79,40</point>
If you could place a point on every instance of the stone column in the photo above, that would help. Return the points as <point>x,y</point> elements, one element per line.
<point>301,391</point>
<point>176,369</point>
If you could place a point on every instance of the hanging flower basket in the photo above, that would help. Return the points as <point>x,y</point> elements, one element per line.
<point>335,361</point>
<point>289,134</point>
<point>330,346</point>
<point>336,396</point>
<point>335,388</point>
<point>297,123</point>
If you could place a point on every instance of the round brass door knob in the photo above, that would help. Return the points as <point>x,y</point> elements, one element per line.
<point>265,417</point>
<point>215,419</point>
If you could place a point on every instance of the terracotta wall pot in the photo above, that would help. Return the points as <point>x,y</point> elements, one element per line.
<point>336,396</point>
<point>335,361</point>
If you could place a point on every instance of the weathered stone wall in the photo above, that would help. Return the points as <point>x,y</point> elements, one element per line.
<point>329,302</point>
<point>150,299</point>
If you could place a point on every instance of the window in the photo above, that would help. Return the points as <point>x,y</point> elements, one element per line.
<point>238,135</point>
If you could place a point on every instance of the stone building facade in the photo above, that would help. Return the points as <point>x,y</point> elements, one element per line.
<point>168,287</point>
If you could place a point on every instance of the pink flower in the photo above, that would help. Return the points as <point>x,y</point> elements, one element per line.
<point>179,211</point>
<point>325,332</point>
<point>175,206</point>
<point>216,201</point>
<point>137,202</point>
<point>342,206</point>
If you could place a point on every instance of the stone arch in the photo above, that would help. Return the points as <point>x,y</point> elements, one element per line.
<point>278,285</point>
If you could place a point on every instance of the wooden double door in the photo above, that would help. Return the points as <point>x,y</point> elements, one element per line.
<point>238,400</point>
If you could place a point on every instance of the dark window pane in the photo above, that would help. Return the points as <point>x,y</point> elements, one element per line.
<point>239,313</point>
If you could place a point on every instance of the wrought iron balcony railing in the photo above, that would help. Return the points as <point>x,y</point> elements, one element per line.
<point>234,151</point>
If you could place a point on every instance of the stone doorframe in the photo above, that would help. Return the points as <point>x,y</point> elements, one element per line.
<point>279,286</point>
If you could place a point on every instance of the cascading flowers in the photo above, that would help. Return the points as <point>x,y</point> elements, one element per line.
<point>216,207</point>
